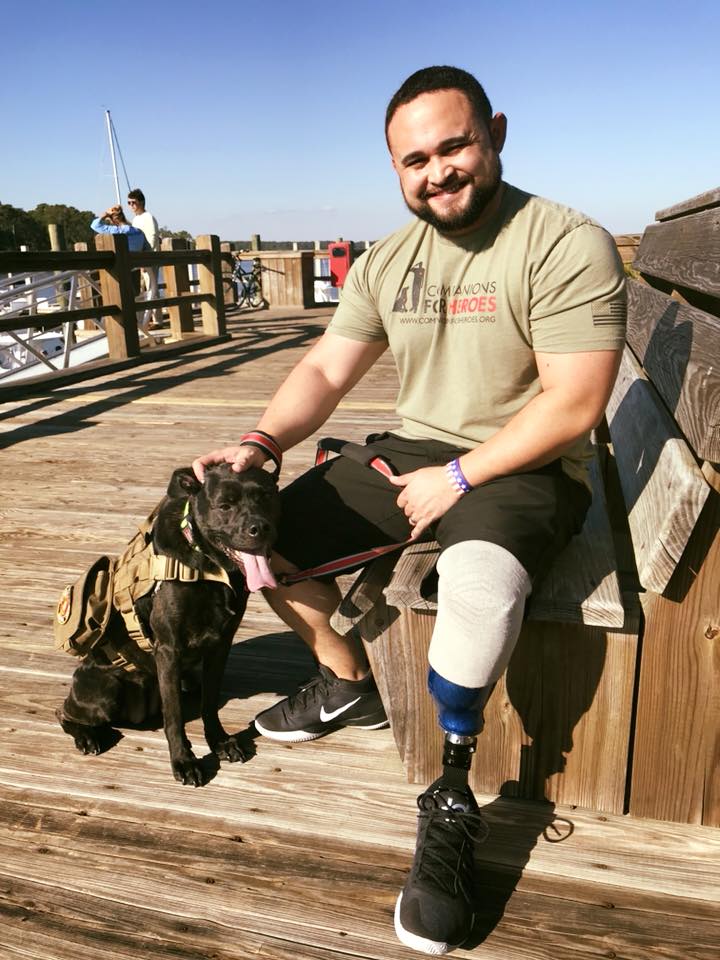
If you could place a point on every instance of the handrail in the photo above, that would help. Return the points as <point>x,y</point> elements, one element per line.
<point>22,288</point>
<point>58,317</point>
<point>114,264</point>
<point>35,261</point>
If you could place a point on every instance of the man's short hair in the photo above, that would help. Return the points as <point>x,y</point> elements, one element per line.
<point>430,79</point>
<point>138,195</point>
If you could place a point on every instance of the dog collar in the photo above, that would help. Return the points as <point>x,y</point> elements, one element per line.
<point>186,527</point>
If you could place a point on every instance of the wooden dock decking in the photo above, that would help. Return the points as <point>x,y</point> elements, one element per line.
<point>299,853</point>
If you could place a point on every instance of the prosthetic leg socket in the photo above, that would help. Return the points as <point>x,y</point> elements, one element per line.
<point>460,713</point>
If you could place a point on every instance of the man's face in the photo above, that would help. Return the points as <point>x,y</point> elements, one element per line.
<point>135,206</point>
<point>447,159</point>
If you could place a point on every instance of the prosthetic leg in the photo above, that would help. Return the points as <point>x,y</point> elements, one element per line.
<point>480,584</point>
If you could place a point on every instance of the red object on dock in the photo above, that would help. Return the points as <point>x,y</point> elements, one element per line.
<point>340,257</point>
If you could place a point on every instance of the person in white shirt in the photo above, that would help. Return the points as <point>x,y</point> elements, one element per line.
<point>146,222</point>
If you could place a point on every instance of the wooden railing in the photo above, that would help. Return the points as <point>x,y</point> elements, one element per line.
<point>118,309</point>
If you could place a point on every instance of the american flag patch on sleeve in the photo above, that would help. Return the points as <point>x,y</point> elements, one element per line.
<point>609,311</point>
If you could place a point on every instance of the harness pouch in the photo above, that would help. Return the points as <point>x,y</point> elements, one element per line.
<point>84,609</point>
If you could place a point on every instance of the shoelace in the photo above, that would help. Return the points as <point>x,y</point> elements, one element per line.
<point>313,689</point>
<point>447,846</point>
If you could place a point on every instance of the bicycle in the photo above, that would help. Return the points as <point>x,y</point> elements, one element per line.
<point>248,284</point>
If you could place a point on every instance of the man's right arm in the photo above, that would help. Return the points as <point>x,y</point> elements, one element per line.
<point>306,399</point>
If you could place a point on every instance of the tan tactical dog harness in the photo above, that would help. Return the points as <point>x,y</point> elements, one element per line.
<point>85,606</point>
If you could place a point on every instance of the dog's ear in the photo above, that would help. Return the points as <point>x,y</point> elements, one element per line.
<point>183,483</point>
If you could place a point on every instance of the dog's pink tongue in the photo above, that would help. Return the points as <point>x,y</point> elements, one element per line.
<point>257,572</point>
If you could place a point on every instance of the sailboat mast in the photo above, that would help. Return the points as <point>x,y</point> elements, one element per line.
<point>111,141</point>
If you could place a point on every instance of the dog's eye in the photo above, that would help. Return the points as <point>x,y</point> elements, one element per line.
<point>225,506</point>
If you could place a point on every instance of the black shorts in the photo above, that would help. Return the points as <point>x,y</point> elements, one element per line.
<point>342,507</point>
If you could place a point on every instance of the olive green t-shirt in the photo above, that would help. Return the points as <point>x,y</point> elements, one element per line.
<point>464,316</point>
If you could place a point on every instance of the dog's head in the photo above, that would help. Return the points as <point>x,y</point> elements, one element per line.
<point>236,514</point>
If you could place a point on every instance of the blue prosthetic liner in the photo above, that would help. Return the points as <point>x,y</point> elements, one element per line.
<point>459,709</point>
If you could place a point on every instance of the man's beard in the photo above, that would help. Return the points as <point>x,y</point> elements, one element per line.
<point>453,223</point>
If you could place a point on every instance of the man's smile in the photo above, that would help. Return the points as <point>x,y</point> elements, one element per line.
<point>447,190</point>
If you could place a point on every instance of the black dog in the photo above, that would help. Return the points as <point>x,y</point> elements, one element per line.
<point>228,521</point>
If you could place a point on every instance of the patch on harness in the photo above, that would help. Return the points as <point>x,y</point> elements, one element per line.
<point>64,604</point>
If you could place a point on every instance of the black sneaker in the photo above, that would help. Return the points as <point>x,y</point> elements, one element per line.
<point>323,704</point>
<point>435,913</point>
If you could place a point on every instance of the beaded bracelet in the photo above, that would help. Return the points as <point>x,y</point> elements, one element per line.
<point>263,441</point>
<point>457,478</point>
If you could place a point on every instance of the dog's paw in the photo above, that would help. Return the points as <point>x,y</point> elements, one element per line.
<point>88,742</point>
<point>188,772</point>
<point>231,749</point>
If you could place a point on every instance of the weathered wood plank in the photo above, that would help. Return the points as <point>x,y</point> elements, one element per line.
<point>544,841</point>
<point>48,919</point>
<point>684,252</point>
<point>287,277</point>
<point>210,282</point>
<point>675,769</point>
<point>679,347</point>
<point>663,488</point>
<point>54,920</point>
<point>627,244</point>
<point>582,584</point>
<point>703,201</point>
<point>177,283</point>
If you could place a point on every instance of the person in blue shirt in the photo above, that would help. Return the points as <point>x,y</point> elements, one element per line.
<point>113,221</point>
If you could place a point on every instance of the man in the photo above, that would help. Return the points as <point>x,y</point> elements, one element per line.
<point>146,222</point>
<point>505,315</point>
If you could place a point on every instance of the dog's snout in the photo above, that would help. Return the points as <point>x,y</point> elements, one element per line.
<point>258,529</point>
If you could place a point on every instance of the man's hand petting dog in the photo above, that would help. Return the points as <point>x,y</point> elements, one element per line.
<point>242,457</point>
<point>229,523</point>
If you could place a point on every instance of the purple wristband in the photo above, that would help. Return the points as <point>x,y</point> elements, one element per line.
<point>457,478</point>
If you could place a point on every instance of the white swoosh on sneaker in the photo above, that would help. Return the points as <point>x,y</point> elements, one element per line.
<point>325,715</point>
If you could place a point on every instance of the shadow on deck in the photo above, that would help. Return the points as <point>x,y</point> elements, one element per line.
<point>299,853</point>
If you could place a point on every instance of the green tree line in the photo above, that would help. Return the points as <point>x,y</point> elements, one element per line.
<point>29,228</point>
<point>20,227</point>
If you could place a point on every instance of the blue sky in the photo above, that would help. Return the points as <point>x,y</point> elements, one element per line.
<point>268,117</point>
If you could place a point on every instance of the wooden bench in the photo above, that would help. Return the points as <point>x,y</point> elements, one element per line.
<point>607,702</point>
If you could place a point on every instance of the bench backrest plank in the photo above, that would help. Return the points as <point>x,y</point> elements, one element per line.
<point>663,487</point>
<point>684,252</point>
<point>582,584</point>
<point>679,348</point>
<point>703,201</point>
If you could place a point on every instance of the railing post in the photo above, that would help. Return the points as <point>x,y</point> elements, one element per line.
<point>85,293</point>
<point>177,282</point>
<point>57,237</point>
<point>118,290</point>
<point>210,277</point>
<point>229,288</point>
